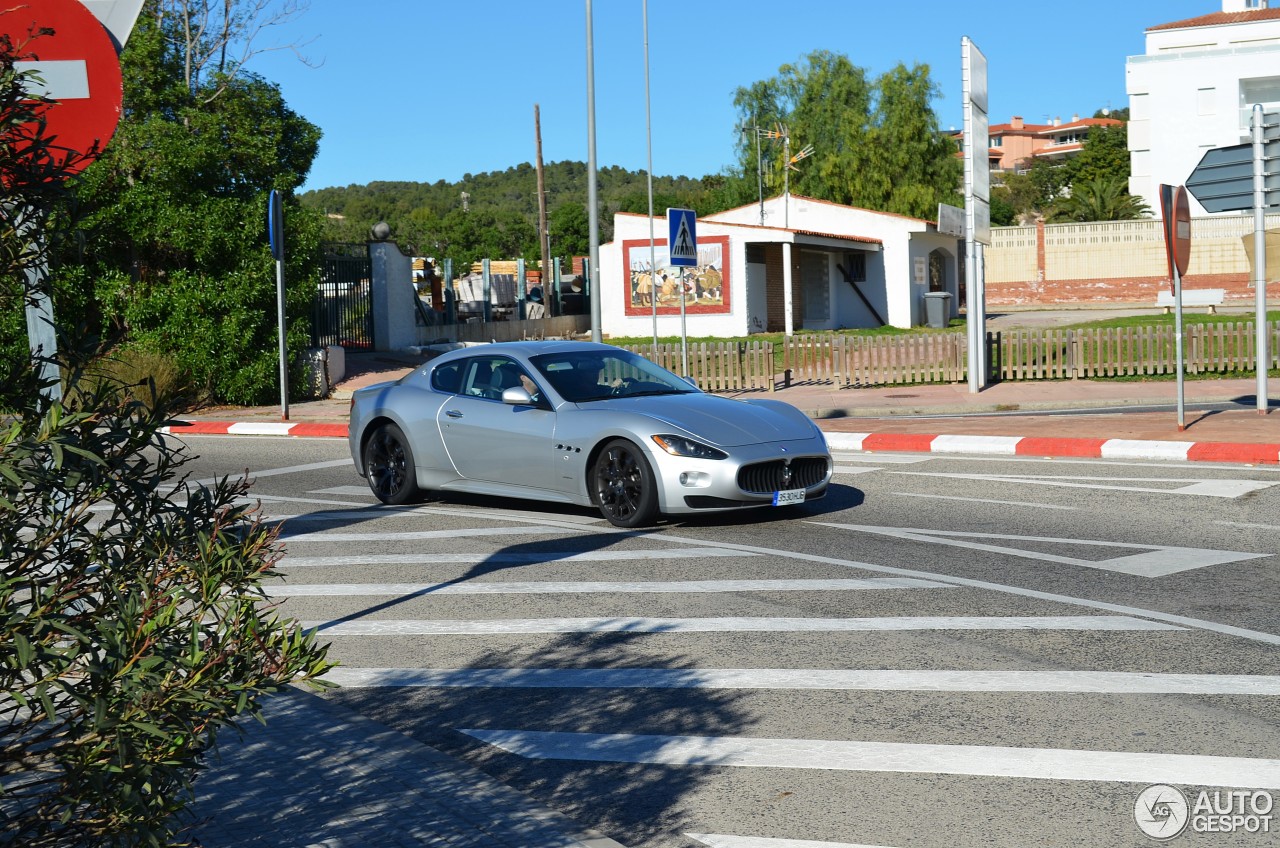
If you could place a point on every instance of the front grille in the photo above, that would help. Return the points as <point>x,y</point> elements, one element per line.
<point>780,474</point>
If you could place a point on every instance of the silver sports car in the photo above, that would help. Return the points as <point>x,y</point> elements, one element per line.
<point>581,423</point>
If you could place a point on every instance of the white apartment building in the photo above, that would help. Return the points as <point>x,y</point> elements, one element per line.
<point>1194,89</point>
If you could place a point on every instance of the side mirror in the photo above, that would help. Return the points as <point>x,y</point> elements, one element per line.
<point>517,396</point>
<point>691,382</point>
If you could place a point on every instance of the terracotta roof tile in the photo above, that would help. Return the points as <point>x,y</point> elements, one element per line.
<point>1220,18</point>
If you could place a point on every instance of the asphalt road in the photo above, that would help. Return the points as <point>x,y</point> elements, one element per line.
<point>945,651</point>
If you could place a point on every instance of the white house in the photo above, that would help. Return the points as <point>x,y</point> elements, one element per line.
<point>1195,89</point>
<point>813,265</point>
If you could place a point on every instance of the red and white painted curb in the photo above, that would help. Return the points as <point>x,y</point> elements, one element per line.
<point>258,428</point>
<point>910,442</point>
<point>1058,447</point>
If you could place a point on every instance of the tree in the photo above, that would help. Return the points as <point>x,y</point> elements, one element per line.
<point>908,145</point>
<point>1105,199</point>
<point>215,39</point>
<point>174,249</point>
<point>1104,156</point>
<point>133,621</point>
<point>569,228</point>
<point>876,144</point>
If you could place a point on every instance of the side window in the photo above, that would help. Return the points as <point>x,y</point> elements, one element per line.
<point>475,377</point>
<point>447,378</point>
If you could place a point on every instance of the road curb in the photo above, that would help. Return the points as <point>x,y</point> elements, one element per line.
<point>941,443</point>
<point>1252,454</point>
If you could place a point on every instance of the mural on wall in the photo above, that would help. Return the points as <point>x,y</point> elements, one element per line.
<point>706,286</point>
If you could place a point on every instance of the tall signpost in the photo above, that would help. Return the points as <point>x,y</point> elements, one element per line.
<point>77,69</point>
<point>977,206</point>
<point>682,250</point>
<point>1241,177</point>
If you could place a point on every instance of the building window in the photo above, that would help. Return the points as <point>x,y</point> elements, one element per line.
<point>1264,90</point>
<point>855,267</point>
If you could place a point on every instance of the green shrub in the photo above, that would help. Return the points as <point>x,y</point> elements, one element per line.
<point>149,378</point>
<point>133,621</point>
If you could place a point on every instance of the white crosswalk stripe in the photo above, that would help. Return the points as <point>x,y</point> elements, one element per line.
<point>853,755</point>
<point>1100,682</point>
<point>384,627</point>
<point>560,587</point>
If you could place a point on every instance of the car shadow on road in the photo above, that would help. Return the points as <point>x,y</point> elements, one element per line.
<point>634,802</point>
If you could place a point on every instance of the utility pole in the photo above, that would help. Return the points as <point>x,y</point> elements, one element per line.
<point>544,237</point>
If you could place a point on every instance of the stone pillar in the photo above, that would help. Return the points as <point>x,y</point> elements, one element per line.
<point>393,295</point>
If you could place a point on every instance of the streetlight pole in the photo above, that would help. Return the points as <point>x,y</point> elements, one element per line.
<point>593,210</point>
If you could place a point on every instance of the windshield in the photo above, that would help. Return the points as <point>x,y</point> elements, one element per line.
<point>600,374</point>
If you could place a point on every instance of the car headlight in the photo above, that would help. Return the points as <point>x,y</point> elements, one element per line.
<point>681,446</point>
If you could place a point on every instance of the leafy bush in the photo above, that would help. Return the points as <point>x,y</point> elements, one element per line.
<point>133,622</point>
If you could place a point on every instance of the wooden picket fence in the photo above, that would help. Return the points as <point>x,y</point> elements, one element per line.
<point>718,366</point>
<point>1030,354</point>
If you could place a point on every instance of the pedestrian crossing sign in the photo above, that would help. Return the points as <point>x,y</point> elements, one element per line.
<point>682,246</point>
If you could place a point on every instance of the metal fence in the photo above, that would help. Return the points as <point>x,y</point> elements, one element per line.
<point>342,312</point>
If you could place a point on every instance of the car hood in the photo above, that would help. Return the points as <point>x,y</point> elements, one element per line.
<point>717,420</point>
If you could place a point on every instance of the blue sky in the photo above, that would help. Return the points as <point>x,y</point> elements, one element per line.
<point>427,90</point>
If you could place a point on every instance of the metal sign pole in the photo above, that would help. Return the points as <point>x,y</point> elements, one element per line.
<point>684,330</point>
<point>42,336</point>
<point>1178,349</point>
<point>1260,259</point>
<point>284,354</point>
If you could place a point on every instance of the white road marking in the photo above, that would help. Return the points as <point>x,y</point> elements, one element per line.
<point>792,679</point>
<point>882,458</point>
<point>724,840</point>
<point>854,469</point>
<point>398,627</point>
<point>976,760</point>
<point>985,500</point>
<point>412,535</point>
<point>1203,487</point>
<point>515,558</point>
<point>633,587</point>
<point>1017,591</point>
<point>343,490</point>
<point>363,512</point>
<point>1154,561</point>
<point>1249,526</point>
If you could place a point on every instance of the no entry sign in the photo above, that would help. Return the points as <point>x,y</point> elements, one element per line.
<point>79,69</point>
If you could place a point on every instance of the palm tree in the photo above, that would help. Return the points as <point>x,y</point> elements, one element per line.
<point>1102,199</point>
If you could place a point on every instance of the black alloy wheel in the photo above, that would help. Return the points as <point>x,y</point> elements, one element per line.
<point>623,485</point>
<point>388,465</point>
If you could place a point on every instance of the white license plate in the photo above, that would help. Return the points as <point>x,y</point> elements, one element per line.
<point>788,497</point>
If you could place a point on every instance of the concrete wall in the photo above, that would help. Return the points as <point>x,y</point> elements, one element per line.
<point>1114,261</point>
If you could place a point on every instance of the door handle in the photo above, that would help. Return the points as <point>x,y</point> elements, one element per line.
<point>453,413</point>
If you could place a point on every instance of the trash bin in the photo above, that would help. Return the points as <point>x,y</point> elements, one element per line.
<point>937,309</point>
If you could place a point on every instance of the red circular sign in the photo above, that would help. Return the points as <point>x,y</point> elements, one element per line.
<point>1181,230</point>
<point>80,69</point>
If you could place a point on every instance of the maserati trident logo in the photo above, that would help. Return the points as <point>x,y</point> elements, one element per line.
<point>786,473</point>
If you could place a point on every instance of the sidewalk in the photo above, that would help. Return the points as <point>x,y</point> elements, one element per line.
<point>1010,410</point>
